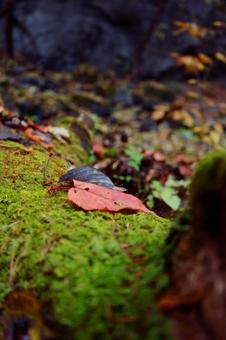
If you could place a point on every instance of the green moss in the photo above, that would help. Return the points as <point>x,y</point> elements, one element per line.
<point>97,272</point>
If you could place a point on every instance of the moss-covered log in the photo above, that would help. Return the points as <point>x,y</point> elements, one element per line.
<point>197,297</point>
<point>94,274</point>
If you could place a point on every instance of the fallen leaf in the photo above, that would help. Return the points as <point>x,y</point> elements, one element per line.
<point>173,300</point>
<point>30,134</point>
<point>191,28</point>
<point>159,156</point>
<point>7,134</point>
<point>220,57</point>
<point>183,116</point>
<point>219,24</point>
<point>98,149</point>
<point>160,111</point>
<point>192,64</point>
<point>186,159</point>
<point>60,133</point>
<point>95,197</point>
<point>185,170</point>
<point>205,59</point>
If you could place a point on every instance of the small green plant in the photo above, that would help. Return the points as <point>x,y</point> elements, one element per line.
<point>135,157</point>
<point>168,192</point>
<point>126,179</point>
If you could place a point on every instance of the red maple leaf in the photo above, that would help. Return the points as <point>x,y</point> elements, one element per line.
<point>90,196</point>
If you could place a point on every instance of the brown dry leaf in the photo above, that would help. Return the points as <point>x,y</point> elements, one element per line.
<point>219,128</point>
<point>210,135</point>
<point>219,24</point>
<point>98,149</point>
<point>184,158</point>
<point>158,156</point>
<point>220,57</point>
<point>192,95</point>
<point>202,129</point>
<point>205,59</point>
<point>198,114</point>
<point>159,111</point>
<point>60,133</point>
<point>215,137</point>
<point>192,29</point>
<point>192,81</point>
<point>183,116</point>
<point>30,134</point>
<point>1,105</point>
<point>216,134</point>
<point>173,300</point>
<point>192,64</point>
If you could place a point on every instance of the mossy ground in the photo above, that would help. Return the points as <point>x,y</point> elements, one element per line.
<point>97,272</point>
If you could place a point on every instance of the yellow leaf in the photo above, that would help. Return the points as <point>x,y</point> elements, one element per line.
<point>183,116</point>
<point>197,113</point>
<point>219,24</point>
<point>215,137</point>
<point>219,128</point>
<point>192,94</point>
<point>160,111</point>
<point>205,59</point>
<point>191,64</point>
<point>192,29</point>
<point>192,81</point>
<point>207,140</point>
<point>220,57</point>
<point>202,130</point>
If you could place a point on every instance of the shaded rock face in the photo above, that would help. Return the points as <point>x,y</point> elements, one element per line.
<point>66,33</point>
<point>108,34</point>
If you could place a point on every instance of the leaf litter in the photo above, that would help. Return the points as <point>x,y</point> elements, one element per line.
<point>141,132</point>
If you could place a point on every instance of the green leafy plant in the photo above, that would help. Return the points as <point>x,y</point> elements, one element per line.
<point>168,192</point>
<point>135,157</point>
<point>126,179</point>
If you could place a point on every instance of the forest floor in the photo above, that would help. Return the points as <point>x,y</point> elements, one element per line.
<point>147,137</point>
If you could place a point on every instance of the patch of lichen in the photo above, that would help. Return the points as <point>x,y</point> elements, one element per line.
<point>97,272</point>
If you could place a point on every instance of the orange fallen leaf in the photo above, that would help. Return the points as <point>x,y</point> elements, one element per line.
<point>173,300</point>
<point>184,116</point>
<point>160,111</point>
<point>219,24</point>
<point>186,159</point>
<point>90,196</point>
<point>220,57</point>
<point>29,133</point>
<point>205,59</point>
<point>159,156</point>
<point>98,149</point>
<point>191,28</point>
<point>192,64</point>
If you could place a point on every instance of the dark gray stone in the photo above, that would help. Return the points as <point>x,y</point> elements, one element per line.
<point>106,33</point>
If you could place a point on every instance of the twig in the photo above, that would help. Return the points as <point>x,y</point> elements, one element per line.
<point>9,225</point>
<point>7,146</point>
<point>46,166</point>
<point>14,263</point>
